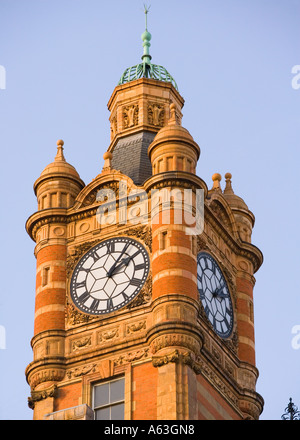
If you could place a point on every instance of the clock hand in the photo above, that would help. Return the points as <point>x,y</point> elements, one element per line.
<point>221,295</point>
<point>124,261</point>
<point>109,273</point>
<point>218,292</point>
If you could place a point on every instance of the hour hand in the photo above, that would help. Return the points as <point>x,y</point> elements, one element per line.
<point>124,261</point>
<point>116,266</point>
<point>219,292</point>
<point>113,267</point>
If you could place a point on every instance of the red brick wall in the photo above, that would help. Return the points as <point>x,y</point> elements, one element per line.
<point>47,297</point>
<point>211,405</point>
<point>245,326</point>
<point>144,395</point>
<point>68,396</point>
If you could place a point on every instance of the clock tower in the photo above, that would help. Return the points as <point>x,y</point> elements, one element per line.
<point>144,291</point>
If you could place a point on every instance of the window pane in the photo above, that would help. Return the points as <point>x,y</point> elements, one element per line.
<point>117,412</point>
<point>101,396</point>
<point>117,390</point>
<point>102,414</point>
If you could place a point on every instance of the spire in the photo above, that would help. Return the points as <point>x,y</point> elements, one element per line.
<point>107,162</point>
<point>60,155</point>
<point>146,37</point>
<point>146,69</point>
<point>216,179</point>
<point>228,189</point>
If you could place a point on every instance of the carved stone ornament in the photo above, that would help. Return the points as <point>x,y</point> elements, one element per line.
<point>221,214</point>
<point>108,335</point>
<point>131,357</point>
<point>74,317</point>
<point>143,233</point>
<point>251,410</point>
<point>113,127</point>
<point>81,371</point>
<point>81,343</point>
<point>217,381</point>
<point>175,357</point>
<point>171,340</point>
<point>144,296</point>
<point>130,115</point>
<point>42,394</point>
<point>46,375</point>
<point>156,114</point>
<point>136,327</point>
<point>72,259</point>
<point>104,187</point>
<point>201,244</point>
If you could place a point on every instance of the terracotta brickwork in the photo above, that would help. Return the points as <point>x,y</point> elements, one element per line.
<point>144,383</point>
<point>68,396</point>
<point>211,404</point>
<point>161,344</point>
<point>245,319</point>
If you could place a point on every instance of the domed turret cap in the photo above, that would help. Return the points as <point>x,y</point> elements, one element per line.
<point>233,200</point>
<point>146,69</point>
<point>59,168</point>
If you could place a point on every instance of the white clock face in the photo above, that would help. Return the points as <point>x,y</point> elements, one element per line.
<point>109,276</point>
<point>214,295</point>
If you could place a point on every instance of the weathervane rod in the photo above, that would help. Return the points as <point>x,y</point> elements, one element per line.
<point>146,13</point>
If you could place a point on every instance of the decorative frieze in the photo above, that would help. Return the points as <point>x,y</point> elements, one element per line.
<point>108,335</point>
<point>131,357</point>
<point>176,339</point>
<point>81,343</point>
<point>135,327</point>
<point>47,374</point>
<point>81,371</point>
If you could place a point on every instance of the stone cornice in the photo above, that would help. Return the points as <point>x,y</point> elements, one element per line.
<point>242,248</point>
<point>45,216</point>
<point>181,179</point>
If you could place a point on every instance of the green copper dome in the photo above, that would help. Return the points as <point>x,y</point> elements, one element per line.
<point>146,69</point>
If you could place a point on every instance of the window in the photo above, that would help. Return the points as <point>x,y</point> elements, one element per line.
<point>45,276</point>
<point>108,400</point>
<point>163,240</point>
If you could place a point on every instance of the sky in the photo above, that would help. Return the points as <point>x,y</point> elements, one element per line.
<point>235,63</point>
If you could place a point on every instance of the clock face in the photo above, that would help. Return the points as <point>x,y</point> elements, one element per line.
<point>109,276</point>
<point>214,295</point>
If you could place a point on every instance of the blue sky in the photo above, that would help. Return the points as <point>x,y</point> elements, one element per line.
<point>232,61</point>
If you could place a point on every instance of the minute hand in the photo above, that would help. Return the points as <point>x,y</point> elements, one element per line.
<point>113,267</point>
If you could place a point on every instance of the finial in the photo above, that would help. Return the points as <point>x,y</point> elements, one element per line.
<point>228,188</point>
<point>146,13</point>
<point>216,179</point>
<point>60,154</point>
<point>146,37</point>
<point>107,161</point>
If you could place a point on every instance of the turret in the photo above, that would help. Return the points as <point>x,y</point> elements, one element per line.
<point>56,189</point>
<point>58,184</point>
